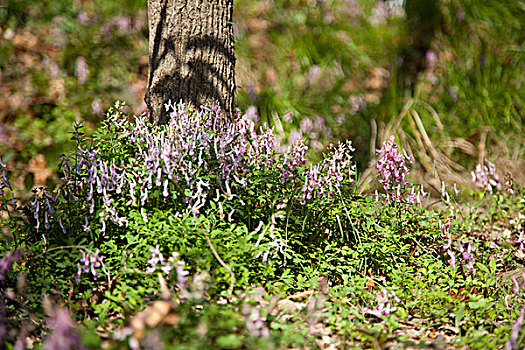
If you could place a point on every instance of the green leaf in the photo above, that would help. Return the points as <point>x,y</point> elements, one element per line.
<point>459,314</point>
<point>230,341</point>
<point>482,267</point>
<point>481,303</point>
<point>492,265</point>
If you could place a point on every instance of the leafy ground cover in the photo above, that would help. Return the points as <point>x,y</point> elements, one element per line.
<point>204,234</point>
<point>242,237</point>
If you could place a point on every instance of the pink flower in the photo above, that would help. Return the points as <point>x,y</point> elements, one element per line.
<point>392,165</point>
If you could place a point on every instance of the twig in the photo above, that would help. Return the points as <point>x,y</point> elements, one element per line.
<point>420,246</point>
<point>301,295</point>
<point>232,276</point>
<point>354,229</point>
<point>435,116</point>
<point>56,248</point>
<point>373,137</point>
<point>481,146</point>
<point>395,123</point>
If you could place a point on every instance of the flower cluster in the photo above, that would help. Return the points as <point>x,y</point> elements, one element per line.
<point>64,334</point>
<point>255,323</point>
<point>43,207</point>
<point>392,166</point>
<point>416,195</point>
<point>195,158</point>
<point>195,155</point>
<point>89,263</point>
<point>180,155</point>
<point>167,265</point>
<point>262,152</point>
<point>485,177</point>
<point>384,304</point>
<point>293,160</point>
<point>331,174</point>
<point>467,254</point>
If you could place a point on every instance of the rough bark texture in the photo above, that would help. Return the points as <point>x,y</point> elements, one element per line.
<point>191,55</point>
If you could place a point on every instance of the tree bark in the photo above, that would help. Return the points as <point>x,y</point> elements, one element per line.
<point>191,55</point>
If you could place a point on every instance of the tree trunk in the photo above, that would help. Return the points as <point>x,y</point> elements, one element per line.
<point>191,55</point>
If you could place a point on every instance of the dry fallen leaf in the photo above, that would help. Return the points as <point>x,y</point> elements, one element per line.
<point>301,295</point>
<point>433,334</point>
<point>164,289</point>
<point>288,305</point>
<point>156,314</point>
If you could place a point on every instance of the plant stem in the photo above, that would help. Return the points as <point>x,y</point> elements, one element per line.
<point>232,276</point>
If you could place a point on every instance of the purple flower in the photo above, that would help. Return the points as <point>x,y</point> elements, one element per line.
<point>521,240</point>
<point>485,176</point>
<point>313,75</point>
<point>516,288</point>
<point>452,260</point>
<point>357,103</point>
<point>89,262</point>
<point>7,261</point>
<point>45,209</point>
<point>262,152</point>
<point>123,24</point>
<point>83,17</point>
<point>467,256</point>
<point>431,59</point>
<point>86,227</point>
<point>331,174</point>
<point>509,183</point>
<point>156,258</point>
<point>252,115</point>
<point>255,323</point>
<point>384,304</point>
<point>64,335</point>
<point>460,15</point>
<point>415,197</point>
<point>182,275</point>
<point>456,191</point>
<point>293,160</point>
<point>306,126</point>
<point>512,343</point>
<point>392,166</point>
<point>453,91</point>
<point>81,69</point>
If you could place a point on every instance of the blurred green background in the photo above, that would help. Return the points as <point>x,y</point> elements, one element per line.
<point>445,76</point>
